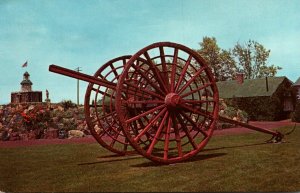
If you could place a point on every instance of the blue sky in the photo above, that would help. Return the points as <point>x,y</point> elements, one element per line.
<point>88,33</point>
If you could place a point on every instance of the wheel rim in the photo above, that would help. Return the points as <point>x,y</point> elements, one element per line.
<point>99,109</point>
<point>176,101</point>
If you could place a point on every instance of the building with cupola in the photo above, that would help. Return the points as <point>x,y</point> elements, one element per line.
<point>26,94</point>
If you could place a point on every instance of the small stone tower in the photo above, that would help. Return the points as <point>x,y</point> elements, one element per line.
<point>26,95</point>
<point>26,83</point>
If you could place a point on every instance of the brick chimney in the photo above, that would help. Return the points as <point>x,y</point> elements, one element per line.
<point>239,78</point>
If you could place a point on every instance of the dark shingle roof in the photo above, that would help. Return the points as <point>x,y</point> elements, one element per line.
<point>250,87</point>
<point>297,83</point>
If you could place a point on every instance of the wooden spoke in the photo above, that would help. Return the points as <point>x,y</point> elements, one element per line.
<point>114,70</point>
<point>197,111</point>
<point>196,101</point>
<point>196,90</point>
<point>167,137</point>
<point>149,125</point>
<point>114,138</point>
<point>108,115</point>
<point>148,79</point>
<point>156,72</point>
<point>193,123</point>
<point>185,129</point>
<point>125,145</point>
<point>162,123</point>
<point>103,93</point>
<point>145,113</point>
<point>164,66</point>
<point>192,79</point>
<point>183,72</point>
<point>145,102</point>
<point>177,136</point>
<point>173,72</point>
<point>140,90</point>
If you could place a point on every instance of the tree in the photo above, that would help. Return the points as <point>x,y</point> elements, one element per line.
<point>252,60</point>
<point>220,61</point>
<point>228,66</point>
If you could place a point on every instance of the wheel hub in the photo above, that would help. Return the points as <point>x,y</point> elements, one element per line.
<point>172,100</point>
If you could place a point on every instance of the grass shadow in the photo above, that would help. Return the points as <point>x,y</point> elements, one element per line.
<point>193,159</point>
<point>116,157</point>
<point>205,156</point>
<point>112,158</point>
<point>238,146</point>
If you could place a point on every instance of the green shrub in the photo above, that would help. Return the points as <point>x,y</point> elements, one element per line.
<point>230,112</point>
<point>67,104</point>
<point>258,108</point>
<point>243,115</point>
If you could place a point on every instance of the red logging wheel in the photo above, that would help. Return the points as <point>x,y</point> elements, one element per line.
<point>175,99</point>
<point>100,109</point>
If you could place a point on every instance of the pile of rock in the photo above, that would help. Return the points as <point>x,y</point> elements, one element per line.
<point>231,113</point>
<point>41,121</point>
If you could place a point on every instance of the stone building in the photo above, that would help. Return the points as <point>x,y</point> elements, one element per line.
<point>26,95</point>
<point>267,99</point>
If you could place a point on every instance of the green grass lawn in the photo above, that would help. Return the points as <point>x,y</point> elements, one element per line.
<point>228,163</point>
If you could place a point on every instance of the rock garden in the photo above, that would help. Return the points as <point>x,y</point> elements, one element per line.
<point>42,121</point>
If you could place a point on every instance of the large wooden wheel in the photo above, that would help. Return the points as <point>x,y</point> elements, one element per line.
<point>172,98</point>
<point>162,102</point>
<point>100,111</point>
